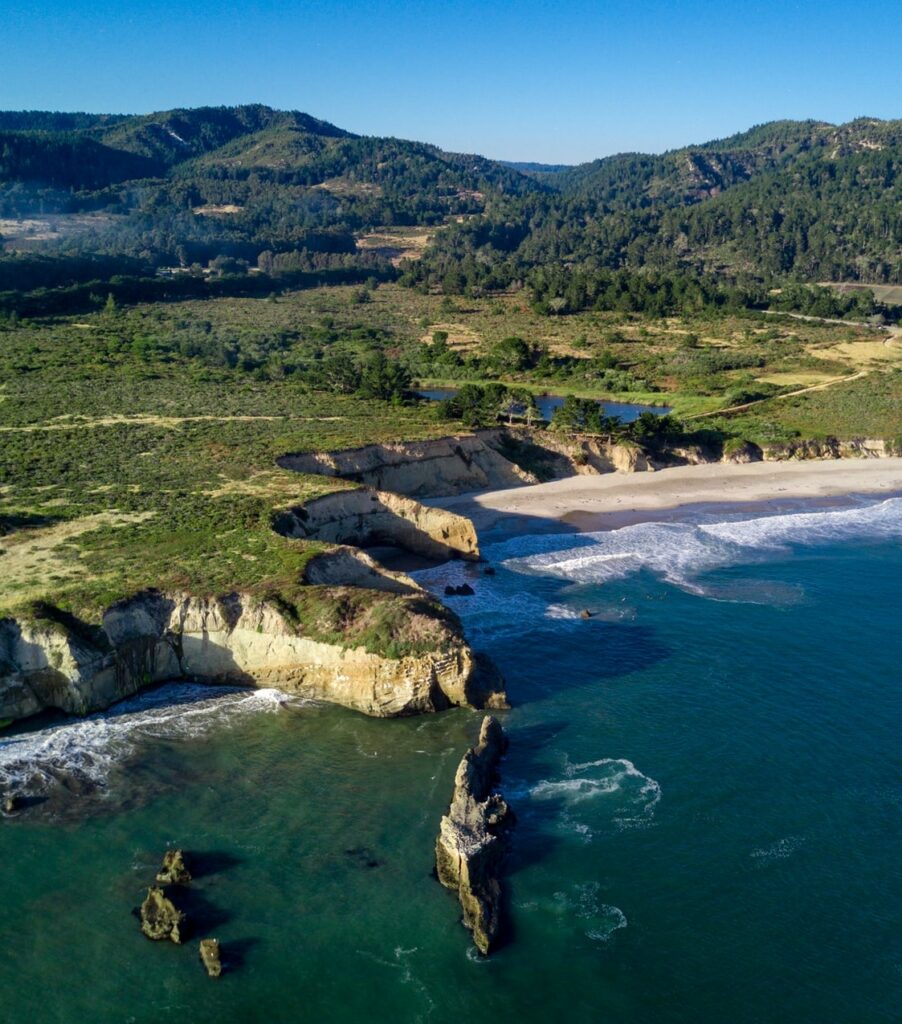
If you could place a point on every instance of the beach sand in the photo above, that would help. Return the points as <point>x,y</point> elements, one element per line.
<point>612,500</point>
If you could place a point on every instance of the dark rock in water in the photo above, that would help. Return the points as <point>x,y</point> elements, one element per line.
<point>175,870</point>
<point>585,614</point>
<point>485,688</point>
<point>160,918</point>
<point>364,857</point>
<point>210,955</point>
<point>464,590</point>
<point>473,837</point>
<point>488,571</point>
<point>11,804</point>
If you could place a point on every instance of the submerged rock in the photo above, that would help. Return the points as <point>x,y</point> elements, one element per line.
<point>210,955</point>
<point>473,840</point>
<point>175,870</point>
<point>160,918</point>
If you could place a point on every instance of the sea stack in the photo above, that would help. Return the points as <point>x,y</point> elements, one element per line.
<point>473,837</point>
<point>210,955</point>
<point>174,870</point>
<point>160,918</point>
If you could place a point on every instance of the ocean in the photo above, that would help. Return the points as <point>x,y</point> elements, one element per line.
<point>707,776</point>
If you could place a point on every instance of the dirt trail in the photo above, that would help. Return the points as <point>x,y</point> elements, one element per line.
<point>789,394</point>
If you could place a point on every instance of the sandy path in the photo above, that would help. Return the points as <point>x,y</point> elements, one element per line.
<point>615,499</point>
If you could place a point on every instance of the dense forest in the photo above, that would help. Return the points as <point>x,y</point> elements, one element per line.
<point>231,192</point>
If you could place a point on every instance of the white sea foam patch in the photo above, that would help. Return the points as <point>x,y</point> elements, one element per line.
<point>680,552</point>
<point>629,795</point>
<point>598,921</point>
<point>82,752</point>
<point>780,850</point>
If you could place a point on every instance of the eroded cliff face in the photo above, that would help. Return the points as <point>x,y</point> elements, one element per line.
<point>235,639</point>
<point>364,516</point>
<point>437,468</point>
<point>346,566</point>
<point>484,460</point>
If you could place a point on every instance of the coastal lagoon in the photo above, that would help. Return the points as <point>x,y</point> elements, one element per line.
<point>626,412</point>
<point>706,774</point>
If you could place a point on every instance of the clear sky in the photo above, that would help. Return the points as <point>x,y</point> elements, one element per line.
<point>526,80</point>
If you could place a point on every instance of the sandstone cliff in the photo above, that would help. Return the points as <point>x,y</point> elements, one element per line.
<point>472,840</point>
<point>437,468</point>
<point>364,516</point>
<point>349,567</point>
<point>484,460</point>
<point>317,648</point>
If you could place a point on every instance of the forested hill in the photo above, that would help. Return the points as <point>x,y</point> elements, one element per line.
<point>804,200</point>
<point>253,188</point>
<point>191,185</point>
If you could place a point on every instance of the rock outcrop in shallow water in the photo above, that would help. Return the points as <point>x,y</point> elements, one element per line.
<point>174,870</point>
<point>210,957</point>
<point>363,517</point>
<point>241,640</point>
<point>160,918</point>
<point>472,841</point>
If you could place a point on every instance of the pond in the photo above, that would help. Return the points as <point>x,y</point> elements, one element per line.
<point>626,412</point>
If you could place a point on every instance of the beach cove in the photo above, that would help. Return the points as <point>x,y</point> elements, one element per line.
<point>724,724</point>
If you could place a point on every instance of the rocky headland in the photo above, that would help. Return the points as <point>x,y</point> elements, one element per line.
<point>380,653</point>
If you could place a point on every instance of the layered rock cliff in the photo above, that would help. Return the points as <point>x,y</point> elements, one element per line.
<point>437,468</point>
<point>472,841</point>
<point>321,646</point>
<point>364,516</point>
<point>483,460</point>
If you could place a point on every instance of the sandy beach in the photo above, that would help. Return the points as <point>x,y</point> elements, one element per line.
<point>619,499</point>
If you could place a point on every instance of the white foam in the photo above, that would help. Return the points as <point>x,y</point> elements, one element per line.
<point>86,750</point>
<point>598,921</point>
<point>779,850</point>
<point>679,552</point>
<point>634,795</point>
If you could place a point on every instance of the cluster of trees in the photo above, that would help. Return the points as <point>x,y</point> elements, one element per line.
<point>706,227</point>
<point>86,296</point>
<point>477,405</point>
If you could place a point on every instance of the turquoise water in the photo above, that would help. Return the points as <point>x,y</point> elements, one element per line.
<point>707,777</point>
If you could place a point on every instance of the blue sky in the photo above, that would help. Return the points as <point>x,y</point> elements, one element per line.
<point>528,80</point>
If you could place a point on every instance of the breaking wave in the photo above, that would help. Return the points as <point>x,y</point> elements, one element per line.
<point>81,753</point>
<point>680,552</point>
<point>630,796</point>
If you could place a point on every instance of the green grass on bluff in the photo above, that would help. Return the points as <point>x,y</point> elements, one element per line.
<point>138,448</point>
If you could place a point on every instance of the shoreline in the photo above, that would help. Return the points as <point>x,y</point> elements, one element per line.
<point>612,500</point>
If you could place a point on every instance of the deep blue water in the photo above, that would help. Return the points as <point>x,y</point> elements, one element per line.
<point>707,776</point>
<point>626,412</point>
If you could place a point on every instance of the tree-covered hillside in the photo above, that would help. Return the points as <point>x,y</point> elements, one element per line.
<point>803,200</point>
<point>233,191</point>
